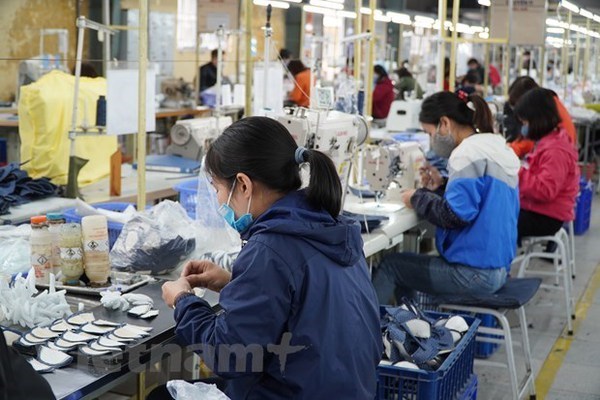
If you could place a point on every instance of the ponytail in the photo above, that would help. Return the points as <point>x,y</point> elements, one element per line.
<point>482,117</point>
<point>465,110</point>
<point>324,189</point>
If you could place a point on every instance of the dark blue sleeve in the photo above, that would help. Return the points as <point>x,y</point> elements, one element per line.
<point>256,304</point>
<point>435,209</point>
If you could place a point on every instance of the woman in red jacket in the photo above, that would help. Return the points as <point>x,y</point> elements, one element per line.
<point>383,95</point>
<point>549,177</point>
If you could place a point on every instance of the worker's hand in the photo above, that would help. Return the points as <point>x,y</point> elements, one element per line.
<point>430,177</point>
<point>172,289</point>
<point>206,274</point>
<point>406,196</point>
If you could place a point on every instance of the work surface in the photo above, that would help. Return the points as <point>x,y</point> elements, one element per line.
<point>159,185</point>
<point>80,380</point>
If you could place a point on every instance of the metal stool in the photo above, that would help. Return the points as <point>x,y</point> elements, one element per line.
<point>564,262</point>
<point>515,293</point>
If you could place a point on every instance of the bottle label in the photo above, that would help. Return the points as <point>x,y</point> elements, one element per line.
<point>96,245</point>
<point>71,253</point>
<point>41,264</point>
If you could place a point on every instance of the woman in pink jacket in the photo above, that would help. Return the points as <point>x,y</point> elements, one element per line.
<point>549,177</point>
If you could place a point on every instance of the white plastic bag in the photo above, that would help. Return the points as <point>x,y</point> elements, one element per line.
<point>15,256</point>
<point>155,241</point>
<point>182,390</point>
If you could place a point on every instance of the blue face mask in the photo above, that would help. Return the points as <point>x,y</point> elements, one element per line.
<point>240,224</point>
<point>524,130</point>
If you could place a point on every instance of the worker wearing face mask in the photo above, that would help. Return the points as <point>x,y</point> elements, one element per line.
<point>475,211</point>
<point>300,283</point>
<point>383,94</point>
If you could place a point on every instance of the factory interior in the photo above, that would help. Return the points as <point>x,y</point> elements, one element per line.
<point>299,199</point>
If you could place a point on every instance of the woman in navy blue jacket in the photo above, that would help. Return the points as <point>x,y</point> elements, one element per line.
<point>299,298</point>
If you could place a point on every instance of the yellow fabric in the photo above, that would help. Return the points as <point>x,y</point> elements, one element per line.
<point>595,107</point>
<point>45,110</point>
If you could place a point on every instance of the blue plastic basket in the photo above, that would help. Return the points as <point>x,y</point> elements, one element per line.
<point>583,207</point>
<point>452,380</point>
<point>114,228</point>
<point>482,349</point>
<point>188,196</point>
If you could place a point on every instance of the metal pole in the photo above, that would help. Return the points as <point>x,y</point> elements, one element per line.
<point>442,14</point>
<point>248,68</point>
<point>220,33</point>
<point>455,12</point>
<point>486,76</point>
<point>141,135</point>
<point>565,57</point>
<point>400,38</point>
<point>371,62</point>
<point>267,56</point>
<point>106,36</point>
<point>507,49</point>
<point>543,64</point>
<point>586,56</point>
<point>357,44</point>
<point>577,50</point>
<point>72,135</point>
<point>197,64</point>
<point>302,23</point>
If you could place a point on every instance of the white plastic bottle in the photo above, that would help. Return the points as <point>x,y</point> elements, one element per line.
<point>41,249</point>
<point>94,229</point>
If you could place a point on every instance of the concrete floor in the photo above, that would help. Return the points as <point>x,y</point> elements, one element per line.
<point>579,374</point>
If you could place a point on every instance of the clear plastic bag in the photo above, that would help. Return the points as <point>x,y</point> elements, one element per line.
<point>182,390</point>
<point>213,232</point>
<point>155,241</point>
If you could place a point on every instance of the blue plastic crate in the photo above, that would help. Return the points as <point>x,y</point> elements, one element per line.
<point>452,380</point>
<point>482,349</point>
<point>583,207</point>
<point>188,196</point>
<point>470,391</point>
<point>114,228</point>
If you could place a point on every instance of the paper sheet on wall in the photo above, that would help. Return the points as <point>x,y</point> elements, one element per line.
<point>122,101</point>
<point>239,95</point>
<point>274,89</point>
<point>226,95</point>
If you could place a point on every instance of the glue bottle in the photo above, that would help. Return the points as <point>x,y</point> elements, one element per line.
<point>41,249</point>
<point>95,248</point>
<point>55,223</point>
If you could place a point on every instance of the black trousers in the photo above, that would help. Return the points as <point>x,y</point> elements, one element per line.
<point>534,224</point>
<point>161,392</point>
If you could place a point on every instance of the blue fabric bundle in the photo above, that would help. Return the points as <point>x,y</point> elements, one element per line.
<point>16,188</point>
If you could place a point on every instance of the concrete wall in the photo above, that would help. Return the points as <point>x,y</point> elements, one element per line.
<point>20,24</point>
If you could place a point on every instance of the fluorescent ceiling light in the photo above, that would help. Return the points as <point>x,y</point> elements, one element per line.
<point>484,35</point>
<point>382,18</point>
<point>347,14</point>
<point>295,1</point>
<point>569,6</point>
<point>597,18</point>
<point>365,10</point>
<point>486,3</point>
<point>586,13</point>
<point>319,10</point>
<point>476,29</point>
<point>336,1</point>
<point>552,22</point>
<point>422,19</point>
<point>401,21</point>
<point>392,14</point>
<point>327,4</point>
<point>273,3</point>
<point>555,30</point>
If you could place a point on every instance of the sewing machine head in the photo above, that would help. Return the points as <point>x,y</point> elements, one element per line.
<point>190,138</point>
<point>390,166</point>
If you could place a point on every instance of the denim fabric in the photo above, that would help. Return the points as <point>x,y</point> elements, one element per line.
<point>402,274</point>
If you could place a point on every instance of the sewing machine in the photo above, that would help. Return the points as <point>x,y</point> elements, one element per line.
<point>190,138</point>
<point>334,133</point>
<point>404,115</point>
<point>390,168</point>
<point>177,93</point>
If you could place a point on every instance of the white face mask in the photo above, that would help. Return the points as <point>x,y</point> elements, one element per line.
<point>443,145</point>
